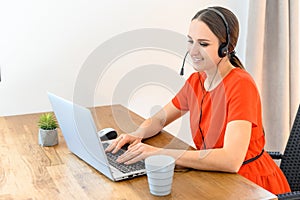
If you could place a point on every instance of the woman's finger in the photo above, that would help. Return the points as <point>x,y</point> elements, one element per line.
<point>121,142</point>
<point>114,144</point>
<point>111,146</point>
<point>133,144</point>
<point>135,159</point>
<point>129,154</point>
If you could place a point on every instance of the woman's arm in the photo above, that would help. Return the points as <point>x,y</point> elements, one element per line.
<point>157,122</point>
<point>148,128</point>
<point>227,159</point>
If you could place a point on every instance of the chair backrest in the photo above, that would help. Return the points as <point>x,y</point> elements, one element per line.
<point>290,163</point>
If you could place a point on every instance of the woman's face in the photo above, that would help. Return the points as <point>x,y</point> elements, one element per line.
<point>202,46</point>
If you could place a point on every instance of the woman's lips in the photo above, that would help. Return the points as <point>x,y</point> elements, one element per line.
<point>197,60</point>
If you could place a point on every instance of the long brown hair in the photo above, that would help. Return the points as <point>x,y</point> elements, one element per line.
<point>217,26</point>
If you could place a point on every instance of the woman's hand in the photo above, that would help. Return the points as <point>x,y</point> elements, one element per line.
<point>137,152</point>
<point>123,139</point>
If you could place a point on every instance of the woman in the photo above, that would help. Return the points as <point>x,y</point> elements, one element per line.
<point>224,106</point>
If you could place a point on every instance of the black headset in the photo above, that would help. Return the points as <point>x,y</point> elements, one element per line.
<point>223,48</point>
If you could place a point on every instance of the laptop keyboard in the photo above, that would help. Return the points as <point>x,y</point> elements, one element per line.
<point>120,166</point>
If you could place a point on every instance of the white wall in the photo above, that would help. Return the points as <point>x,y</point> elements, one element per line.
<point>44,44</point>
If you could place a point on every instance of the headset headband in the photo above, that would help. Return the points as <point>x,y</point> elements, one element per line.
<point>223,49</point>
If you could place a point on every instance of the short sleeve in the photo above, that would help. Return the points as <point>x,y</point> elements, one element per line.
<point>180,101</point>
<point>183,97</point>
<point>243,102</point>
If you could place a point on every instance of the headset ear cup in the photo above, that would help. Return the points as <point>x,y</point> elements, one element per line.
<point>223,50</point>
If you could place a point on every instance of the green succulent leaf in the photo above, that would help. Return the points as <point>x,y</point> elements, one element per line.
<point>47,121</point>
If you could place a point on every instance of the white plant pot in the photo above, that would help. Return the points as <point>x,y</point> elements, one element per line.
<point>48,137</point>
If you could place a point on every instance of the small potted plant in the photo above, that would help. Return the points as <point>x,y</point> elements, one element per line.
<point>48,130</point>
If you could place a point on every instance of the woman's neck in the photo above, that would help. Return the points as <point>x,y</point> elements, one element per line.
<point>216,75</point>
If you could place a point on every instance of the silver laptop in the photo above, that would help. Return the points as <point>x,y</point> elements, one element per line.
<point>79,131</point>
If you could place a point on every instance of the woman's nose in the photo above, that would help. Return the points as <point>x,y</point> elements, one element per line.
<point>194,49</point>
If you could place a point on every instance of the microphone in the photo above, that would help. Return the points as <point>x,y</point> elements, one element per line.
<point>182,68</point>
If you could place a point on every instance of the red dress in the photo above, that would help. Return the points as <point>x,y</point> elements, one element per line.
<point>235,98</point>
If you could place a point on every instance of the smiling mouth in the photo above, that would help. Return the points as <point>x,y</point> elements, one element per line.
<point>195,60</point>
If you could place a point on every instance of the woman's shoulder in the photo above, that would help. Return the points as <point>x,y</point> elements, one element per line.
<point>196,76</point>
<point>240,75</point>
<point>240,79</point>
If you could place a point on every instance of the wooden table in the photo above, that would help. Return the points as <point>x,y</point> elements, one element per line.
<point>29,171</point>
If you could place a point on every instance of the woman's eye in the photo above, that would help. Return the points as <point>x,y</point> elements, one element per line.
<point>203,44</point>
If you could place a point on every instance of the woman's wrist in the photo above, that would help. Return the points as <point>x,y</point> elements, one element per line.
<point>138,134</point>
